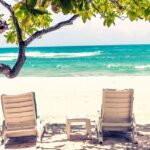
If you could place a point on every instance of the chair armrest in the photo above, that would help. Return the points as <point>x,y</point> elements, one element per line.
<point>40,123</point>
<point>99,115</point>
<point>1,129</point>
<point>38,120</point>
<point>99,118</point>
<point>133,120</point>
<point>98,126</point>
<point>3,126</point>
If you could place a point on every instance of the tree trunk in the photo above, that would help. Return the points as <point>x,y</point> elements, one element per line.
<point>20,62</point>
<point>12,73</point>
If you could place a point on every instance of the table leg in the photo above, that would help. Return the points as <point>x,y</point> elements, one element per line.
<point>88,128</point>
<point>68,129</point>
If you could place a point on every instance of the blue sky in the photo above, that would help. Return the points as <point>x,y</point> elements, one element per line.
<point>91,33</point>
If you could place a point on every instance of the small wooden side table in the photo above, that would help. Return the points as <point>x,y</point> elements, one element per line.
<point>72,120</point>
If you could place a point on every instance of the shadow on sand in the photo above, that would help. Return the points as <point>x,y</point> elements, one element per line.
<point>55,139</point>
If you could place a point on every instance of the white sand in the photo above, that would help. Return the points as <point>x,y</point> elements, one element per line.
<point>59,96</point>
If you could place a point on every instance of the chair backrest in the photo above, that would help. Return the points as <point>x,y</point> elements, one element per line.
<point>19,111</point>
<point>117,105</point>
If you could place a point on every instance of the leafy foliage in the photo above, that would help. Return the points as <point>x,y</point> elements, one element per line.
<point>34,14</point>
<point>1,16</point>
<point>3,24</point>
<point>30,19</point>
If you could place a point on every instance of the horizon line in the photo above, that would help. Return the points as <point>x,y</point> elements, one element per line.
<point>80,45</point>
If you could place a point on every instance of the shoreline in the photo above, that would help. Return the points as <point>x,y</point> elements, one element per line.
<point>103,76</point>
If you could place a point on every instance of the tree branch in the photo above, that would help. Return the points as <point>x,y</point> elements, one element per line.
<point>117,4</point>
<point>101,14</point>
<point>5,69</point>
<point>15,21</point>
<point>50,29</point>
<point>12,73</point>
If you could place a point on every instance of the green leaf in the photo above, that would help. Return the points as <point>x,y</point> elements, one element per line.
<point>44,2</point>
<point>37,11</point>
<point>147,12</point>
<point>31,3</point>
<point>132,15</point>
<point>11,37</point>
<point>66,5</point>
<point>17,6</point>
<point>27,21</point>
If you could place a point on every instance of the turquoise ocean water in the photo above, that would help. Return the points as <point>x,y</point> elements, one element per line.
<point>82,60</point>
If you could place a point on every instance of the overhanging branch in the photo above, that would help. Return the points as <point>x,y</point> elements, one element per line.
<point>50,29</point>
<point>5,69</point>
<point>15,21</point>
<point>13,72</point>
<point>117,4</point>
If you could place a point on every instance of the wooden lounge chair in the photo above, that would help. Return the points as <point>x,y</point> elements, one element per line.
<point>20,115</point>
<point>117,113</point>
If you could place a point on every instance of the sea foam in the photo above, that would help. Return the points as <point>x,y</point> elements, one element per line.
<point>142,67</point>
<point>36,54</point>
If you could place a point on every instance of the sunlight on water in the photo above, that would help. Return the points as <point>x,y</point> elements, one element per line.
<point>82,60</point>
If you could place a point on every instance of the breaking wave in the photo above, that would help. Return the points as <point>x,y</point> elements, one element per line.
<point>142,67</point>
<point>36,54</point>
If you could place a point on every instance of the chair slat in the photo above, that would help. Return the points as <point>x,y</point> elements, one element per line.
<point>117,110</point>
<point>19,109</point>
<point>23,114</point>
<point>21,119</point>
<point>117,100</point>
<point>117,93</point>
<point>117,105</point>
<point>17,105</point>
<point>11,99</point>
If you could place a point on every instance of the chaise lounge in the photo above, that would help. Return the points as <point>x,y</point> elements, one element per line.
<point>117,113</point>
<point>20,115</point>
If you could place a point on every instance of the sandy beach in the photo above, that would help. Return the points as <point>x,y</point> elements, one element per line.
<point>58,97</point>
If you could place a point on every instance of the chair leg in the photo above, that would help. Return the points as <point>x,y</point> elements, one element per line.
<point>134,135</point>
<point>100,139</point>
<point>99,132</point>
<point>40,133</point>
<point>4,136</point>
<point>134,132</point>
<point>39,139</point>
<point>38,144</point>
<point>3,142</point>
